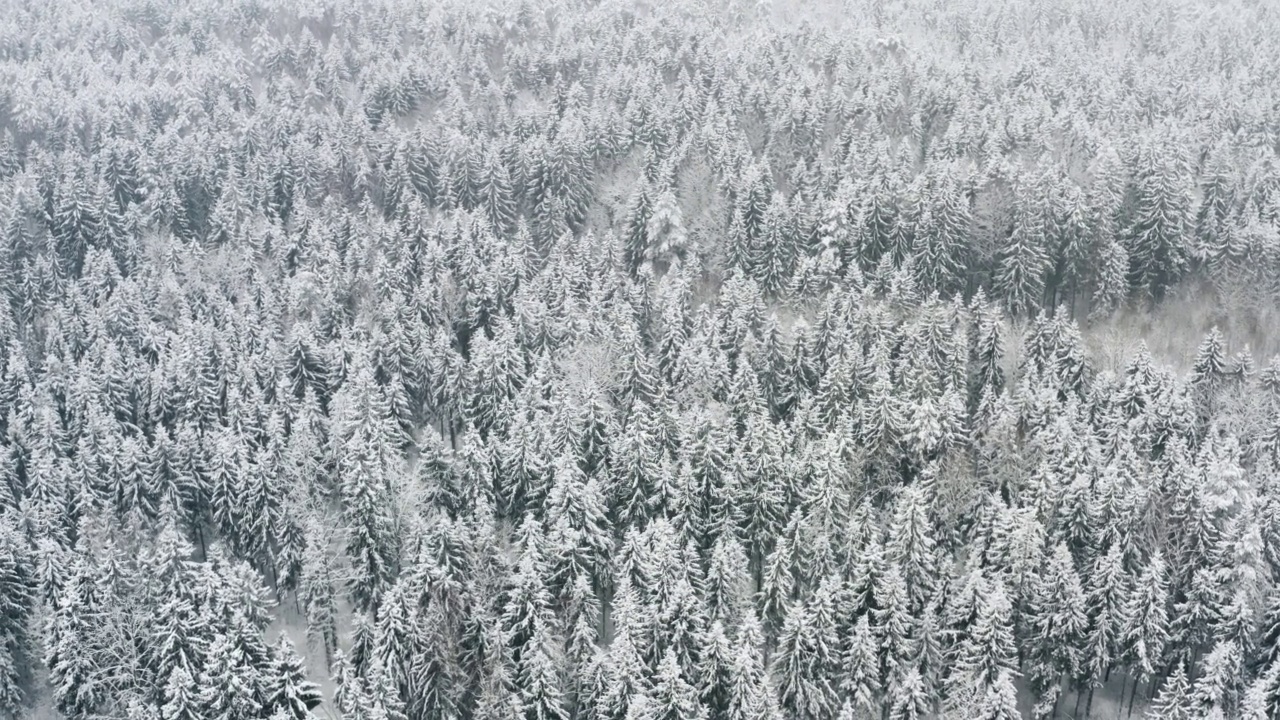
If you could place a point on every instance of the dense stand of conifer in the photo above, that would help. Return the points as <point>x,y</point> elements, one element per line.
<point>602,360</point>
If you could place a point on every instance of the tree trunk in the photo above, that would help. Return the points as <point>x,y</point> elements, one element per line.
<point>204,552</point>
<point>1132,694</point>
<point>605,633</point>
<point>1124,685</point>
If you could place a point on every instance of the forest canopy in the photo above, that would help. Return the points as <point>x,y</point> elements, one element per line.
<point>620,360</point>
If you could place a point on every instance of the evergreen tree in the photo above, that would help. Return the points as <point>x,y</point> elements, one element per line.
<point>1217,192</point>
<point>726,579</point>
<point>1107,597</point>
<point>636,232</point>
<point>775,252</point>
<point>911,546</point>
<point>747,228</point>
<point>1059,621</point>
<point>988,650</point>
<point>910,700</point>
<point>1111,284</point>
<point>73,673</point>
<point>317,593</point>
<point>1145,628</point>
<point>538,678</point>
<point>287,687</point>
<point>862,669</point>
<point>1000,701</point>
<point>1269,644</point>
<point>808,656</point>
<point>496,194</point>
<point>944,235</point>
<point>894,623</point>
<point>1210,365</point>
<point>1173,702</point>
<point>1262,699</point>
<point>750,696</point>
<point>1219,685</point>
<point>230,687</point>
<point>17,602</point>
<point>673,697</point>
<point>364,459</point>
<point>1157,236</point>
<point>665,234</point>
<point>715,670</point>
<point>181,697</point>
<point>628,679</point>
<point>1022,261</point>
<point>176,624</point>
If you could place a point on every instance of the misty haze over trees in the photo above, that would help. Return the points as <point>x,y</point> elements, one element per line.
<point>613,360</point>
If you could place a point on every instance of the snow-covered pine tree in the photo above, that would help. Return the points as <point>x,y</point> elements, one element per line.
<point>1022,260</point>
<point>230,687</point>
<point>715,671</point>
<point>628,676</point>
<point>944,235</point>
<point>674,698</point>
<point>751,695</point>
<point>988,649</point>
<point>911,546</point>
<point>18,592</point>
<point>1058,623</point>
<point>538,675</point>
<point>1217,204</point>
<point>1145,629</point>
<point>1210,367</point>
<point>1157,235</point>
<point>636,229</point>
<point>775,253</point>
<point>809,656</point>
<point>666,238</point>
<point>288,688</point>
<point>1221,681</point>
<point>861,670</point>
<point>909,699</point>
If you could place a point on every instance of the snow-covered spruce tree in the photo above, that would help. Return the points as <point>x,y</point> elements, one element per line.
<point>665,235</point>
<point>774,256</point>
<point>988,648</point>
<point>808,655</point>
<point>230,687</point>
<point>944,234</point>
<point>751,694</point>
<point>289,691</point>
<point>1157,236</point>
<point>1058,623</point>
<point>674,698</point>
<point>715,671</point>
<point>911,546</point>
<point>18,588</point>
<point>1144,632</point>
<point>1218,191</point>
<point>367,461</point>
<point>177,622</point>
<point>1022,259</point>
